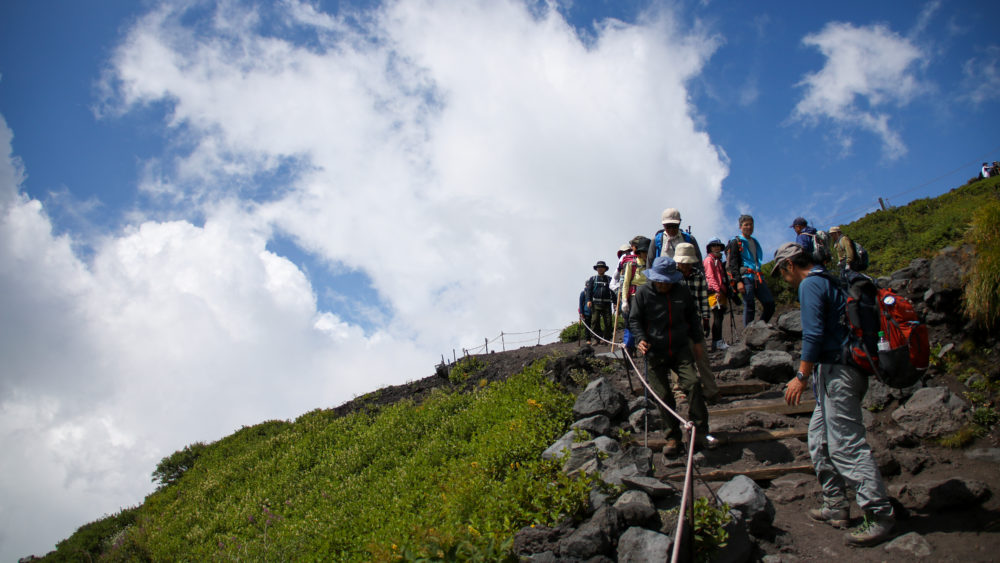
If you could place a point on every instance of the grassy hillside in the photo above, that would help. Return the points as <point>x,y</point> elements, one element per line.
<point>922,227</point>
<point>896,236</point>
<point>457,474</point>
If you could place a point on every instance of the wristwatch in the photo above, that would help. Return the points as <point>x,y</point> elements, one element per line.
<point>801,376</point>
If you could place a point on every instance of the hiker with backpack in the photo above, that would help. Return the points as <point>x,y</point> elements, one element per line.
<point>665,241</point>
<point>815,242</point>
<point>850,255</point>
<point>664,320</point>
<point>718,288</point>
<point>599,299</point>
<point>840,453</point>
<point>745,257</point>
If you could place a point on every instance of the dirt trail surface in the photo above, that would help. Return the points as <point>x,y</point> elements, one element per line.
<point>779,461</point>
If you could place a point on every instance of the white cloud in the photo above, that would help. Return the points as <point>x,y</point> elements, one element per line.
<point>869,70</point>
<point>982,76</point>
<point>441,149</point>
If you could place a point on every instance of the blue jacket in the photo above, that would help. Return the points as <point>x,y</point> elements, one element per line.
<point>745,259</point>
<point>823,306</point>
<point>805,238</point>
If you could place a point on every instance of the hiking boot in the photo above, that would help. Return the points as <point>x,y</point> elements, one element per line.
<point>672,448</point>
<point>706,442</point>
<point>874,530</point>
<point>836,517</point>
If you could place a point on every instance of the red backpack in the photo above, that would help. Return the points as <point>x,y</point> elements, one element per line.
<point>871,310</point>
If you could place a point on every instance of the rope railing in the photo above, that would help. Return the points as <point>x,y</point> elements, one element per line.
<point>686,425</point>
<point>540,335</point>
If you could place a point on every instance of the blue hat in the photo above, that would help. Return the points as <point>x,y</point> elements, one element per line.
<point>664,270</point>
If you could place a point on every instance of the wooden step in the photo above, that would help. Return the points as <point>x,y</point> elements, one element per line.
<point>743,388</point>
<point>776,407</point>
<point>738,437</point>
<point>763,474</point>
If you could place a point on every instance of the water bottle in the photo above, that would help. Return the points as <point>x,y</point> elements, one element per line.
<point>883,343</point>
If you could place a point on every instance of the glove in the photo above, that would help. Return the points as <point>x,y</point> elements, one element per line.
<point>625,307</point>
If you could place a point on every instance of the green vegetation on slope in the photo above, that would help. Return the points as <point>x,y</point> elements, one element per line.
<point>982,294</point>
<point>457,474</point>
<point>920,228</point>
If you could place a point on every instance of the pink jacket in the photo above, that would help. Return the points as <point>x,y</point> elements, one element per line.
<point>714,273</point>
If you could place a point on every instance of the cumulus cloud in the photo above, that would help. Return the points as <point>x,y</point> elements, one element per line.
<point>868,71</point>
<point>439,150</point>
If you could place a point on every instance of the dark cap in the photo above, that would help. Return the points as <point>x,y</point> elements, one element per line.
<point>799,222</point>
<point>600,264</point>
<point>640,243</point>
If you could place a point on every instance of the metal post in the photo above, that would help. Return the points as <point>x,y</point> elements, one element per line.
<point>454,357</point>
<point>503,345</point>
<point>486,346</point>
<point>539,337</point>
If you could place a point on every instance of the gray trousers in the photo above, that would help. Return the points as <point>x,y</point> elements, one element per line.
<point>840,453</point>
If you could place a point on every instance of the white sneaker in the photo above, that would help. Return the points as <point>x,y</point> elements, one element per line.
<point>721,345</point>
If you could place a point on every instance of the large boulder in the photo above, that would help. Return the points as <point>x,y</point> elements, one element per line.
<point>743,494</point>
<point>791,322</point>
<point>757,333</point>
<point>932,412</point>
<point>582,458</point>
<point>635,508</point>
<point>595,537</point>
<point>773,366</point>
<point>600,397</point>
<point>597,425</point>
<point>737,356</point>
<point>639,545</point>
<point>948,269</point>
<point>639,423</point>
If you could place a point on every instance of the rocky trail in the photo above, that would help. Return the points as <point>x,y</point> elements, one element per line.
<point>946,499</point>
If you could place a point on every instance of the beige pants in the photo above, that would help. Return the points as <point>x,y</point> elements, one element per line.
<point>708,386</point>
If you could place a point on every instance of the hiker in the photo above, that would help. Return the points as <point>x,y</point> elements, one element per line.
<point>745,256</point>
<point>664,320</point>
<point>584,312</point>
<point>665,241</point>
<point>984,172</point>
<point>616,280</point>
<point>686,259</point>
<point>837,445</point>
<point>718,288</point>
<point>633,278</point>
<point>845,250</point>
<point>598,290</point>
<point>803,233</point>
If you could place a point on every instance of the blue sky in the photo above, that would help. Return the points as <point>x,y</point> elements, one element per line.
<point>213,214</point>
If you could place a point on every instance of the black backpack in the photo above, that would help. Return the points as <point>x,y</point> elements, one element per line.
<point>860,262</point>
